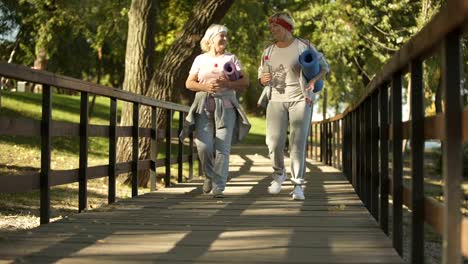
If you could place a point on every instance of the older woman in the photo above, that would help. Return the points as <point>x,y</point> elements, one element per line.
<point>290,101</point>
<point>215,113</point>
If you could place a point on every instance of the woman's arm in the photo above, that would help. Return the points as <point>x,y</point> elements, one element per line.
<point>193,85</point>
<point>239,85</point>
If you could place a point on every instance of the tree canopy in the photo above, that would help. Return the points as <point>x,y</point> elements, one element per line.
<point>87,38</point>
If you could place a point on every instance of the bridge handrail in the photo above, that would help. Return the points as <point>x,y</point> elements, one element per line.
<point>363,131</point>
<point>46,128</point>
<point>19,72</point>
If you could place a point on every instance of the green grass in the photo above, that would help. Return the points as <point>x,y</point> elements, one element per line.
<point>256,134</point>
<point>21,154</point>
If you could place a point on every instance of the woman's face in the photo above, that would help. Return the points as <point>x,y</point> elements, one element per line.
<point>220,41</point>
<point>278,32</point>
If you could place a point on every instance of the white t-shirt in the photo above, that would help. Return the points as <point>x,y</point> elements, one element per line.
<point>283,64</point>
<point>209,68</point>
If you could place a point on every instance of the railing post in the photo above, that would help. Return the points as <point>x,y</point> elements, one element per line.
<point>321,141</point>
<point>350,145</point>
<point>334,144</point>
<point>397,193</point>
<point>167,177</point>
<point>46,129</point>
<point>190,157</point>
<point>384,158</point>
<point>112,150</point>
<point>361,152</point>
<point>340,143</point>
<point>316,147</point>
<point>345,148</point>
<point>135,145</point>
<point>83,163</point>
<point>453,148</point>
<point>154,148</point>
<point>368,149</point>
<point>417,161</point>
<point>354,159</point>
<point>329,141</point>
<point>310,144</point>
<point>375,157</point>
<point>180,150</point>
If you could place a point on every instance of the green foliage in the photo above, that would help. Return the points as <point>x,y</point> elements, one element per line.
<point>73,34</point>
<point>87,38</point>
<point>357,37</point>
<point>248,35</point>
<point>171,16</point>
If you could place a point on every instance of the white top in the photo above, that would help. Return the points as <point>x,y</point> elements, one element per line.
<point>283,64</point>
<point>209,68</point>
<point>285,69</point>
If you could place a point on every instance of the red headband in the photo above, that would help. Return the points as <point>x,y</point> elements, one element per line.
<point>281,22</point>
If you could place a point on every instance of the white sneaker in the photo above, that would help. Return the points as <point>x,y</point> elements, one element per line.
<point>298,193</point>
<point>275,186</point>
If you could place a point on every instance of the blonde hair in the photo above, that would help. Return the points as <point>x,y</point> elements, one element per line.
<point>211,32</point>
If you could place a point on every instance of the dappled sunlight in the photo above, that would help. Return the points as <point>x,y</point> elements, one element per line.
<point>178,189</point>
<point>335,182</point>
<point>237,190</point>
<point>234,182</point>
<point>250,239</point>
<point>142,244</point>
<point>325,168</point>
<point>271,212</point>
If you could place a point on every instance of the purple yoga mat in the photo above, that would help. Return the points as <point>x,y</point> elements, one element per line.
<point>230,71</point>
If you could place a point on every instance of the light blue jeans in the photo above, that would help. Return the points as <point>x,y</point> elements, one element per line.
<point>214,145</point>
<point>279,115</point>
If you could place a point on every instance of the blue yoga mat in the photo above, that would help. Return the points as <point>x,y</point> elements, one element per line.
<point>230,71</point>
<point>310,67</point>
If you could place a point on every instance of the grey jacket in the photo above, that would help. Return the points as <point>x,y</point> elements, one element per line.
<point>241,128</point>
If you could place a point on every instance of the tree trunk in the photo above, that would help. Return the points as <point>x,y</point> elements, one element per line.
<point>40,63</point>
<point>139,58</point>
<point>169,77</point>
<point>438,97</point>
<point>98,79</point>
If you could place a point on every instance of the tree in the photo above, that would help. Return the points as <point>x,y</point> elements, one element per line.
<point>169,76</point>
<point>357,37</point>
<point>138,61</point>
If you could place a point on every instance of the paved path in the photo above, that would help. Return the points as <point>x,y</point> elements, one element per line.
<point>181,225</point>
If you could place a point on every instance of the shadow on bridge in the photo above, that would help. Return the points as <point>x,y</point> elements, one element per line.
<point>180,224</point>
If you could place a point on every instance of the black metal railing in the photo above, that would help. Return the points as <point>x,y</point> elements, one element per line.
<point>46,128</point>
<point>363,135</point>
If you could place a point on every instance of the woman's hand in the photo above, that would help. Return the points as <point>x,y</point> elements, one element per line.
<point>210,87</point>
<point>218,85</point>
<point>265,79</point>
<point>311,85</point>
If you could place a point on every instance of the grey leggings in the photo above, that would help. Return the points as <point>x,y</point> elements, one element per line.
<point>279,115</point>
<point>215,168</point>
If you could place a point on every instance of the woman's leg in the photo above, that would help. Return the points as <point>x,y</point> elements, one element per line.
<point>276,128</point>
<point>222,145</point>
<point>300,114</point>
<point>204,125</point>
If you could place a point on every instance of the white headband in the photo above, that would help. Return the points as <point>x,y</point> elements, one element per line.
<point>213,30</point>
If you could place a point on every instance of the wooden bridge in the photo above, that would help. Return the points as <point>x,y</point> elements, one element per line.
<point>180,224</point>
<point>350,192</point>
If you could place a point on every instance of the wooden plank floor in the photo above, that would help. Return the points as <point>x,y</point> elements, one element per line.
<point>180,225</point>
